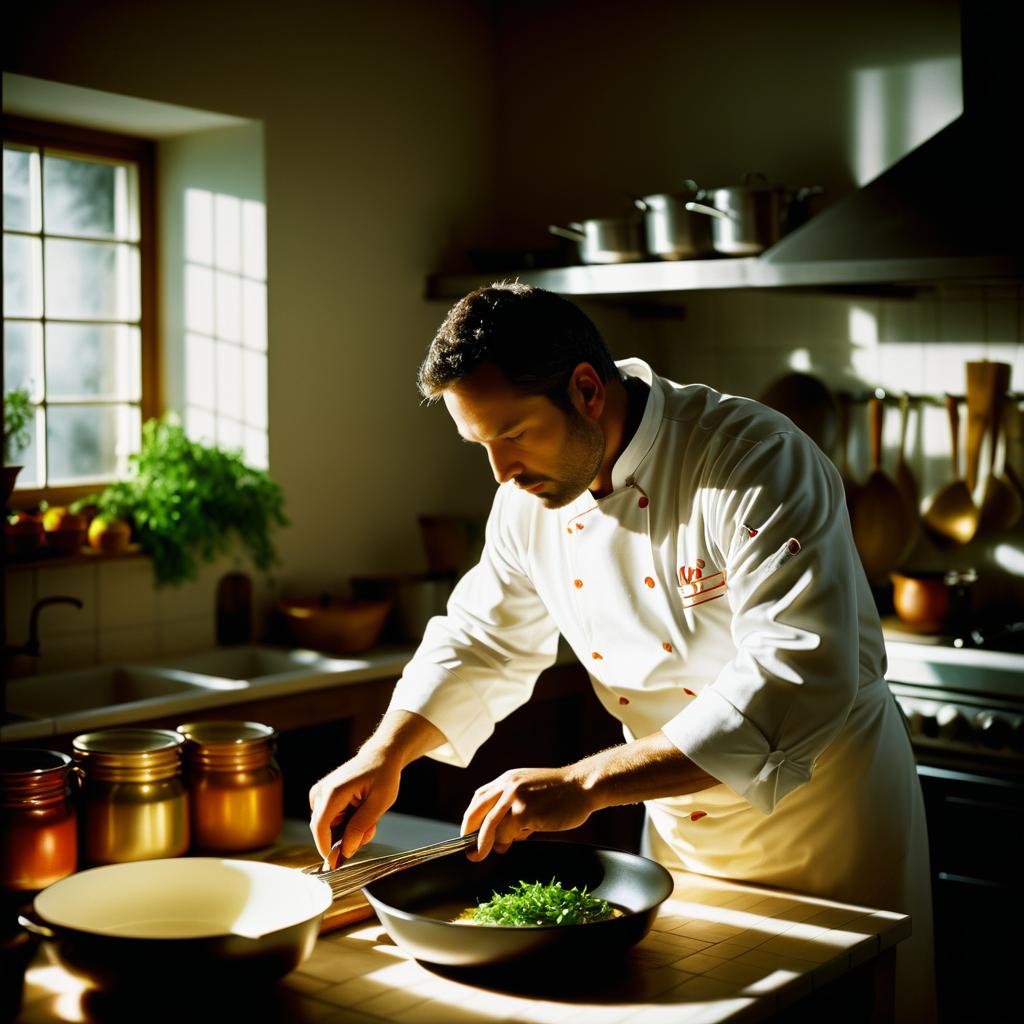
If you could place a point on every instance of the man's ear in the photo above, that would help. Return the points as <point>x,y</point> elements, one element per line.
<point>587,391</point>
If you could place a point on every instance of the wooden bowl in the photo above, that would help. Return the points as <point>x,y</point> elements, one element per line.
<point>334,625</point>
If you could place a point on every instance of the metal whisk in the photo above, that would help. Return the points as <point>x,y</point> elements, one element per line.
<point>350,878</point>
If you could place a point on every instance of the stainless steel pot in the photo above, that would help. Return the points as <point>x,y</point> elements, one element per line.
<point>672,231</point>
<point>198,920</point>
<point>747,218</point>
<point>606,239</point>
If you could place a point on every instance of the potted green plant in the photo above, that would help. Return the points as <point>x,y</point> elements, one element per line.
<point>187,501</point>
<point>18,412</point>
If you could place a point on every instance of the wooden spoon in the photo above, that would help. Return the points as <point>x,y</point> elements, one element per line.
<point>904,477</point>
<point>952,514</point>
<point>882,522</point>
<point>1001,505</point>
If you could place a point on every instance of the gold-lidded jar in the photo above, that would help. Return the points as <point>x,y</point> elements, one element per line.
<point>38,822</point>
<point>134,803</point>
<point>235,791</point>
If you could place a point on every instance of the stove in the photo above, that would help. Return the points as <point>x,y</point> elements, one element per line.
<point>964,704</point>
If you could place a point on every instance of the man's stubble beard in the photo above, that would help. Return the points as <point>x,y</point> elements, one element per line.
<point>583,459</point>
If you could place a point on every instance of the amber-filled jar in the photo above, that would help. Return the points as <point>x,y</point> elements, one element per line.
<point>134,804</point>
<point>38,824</point>
<point>235,792</point>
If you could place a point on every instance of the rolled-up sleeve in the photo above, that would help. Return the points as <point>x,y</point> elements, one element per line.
<point>479,661</point>
<point>792,586</point>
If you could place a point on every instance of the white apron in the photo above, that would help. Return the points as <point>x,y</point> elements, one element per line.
<point>716,595</point>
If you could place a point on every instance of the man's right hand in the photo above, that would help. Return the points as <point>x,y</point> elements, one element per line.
<point>368,782</point>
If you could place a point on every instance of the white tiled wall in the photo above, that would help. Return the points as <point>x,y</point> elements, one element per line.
<point>740,342</point>
<point>124,616</point>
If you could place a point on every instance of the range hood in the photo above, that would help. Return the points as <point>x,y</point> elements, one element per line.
<point>949,211</point>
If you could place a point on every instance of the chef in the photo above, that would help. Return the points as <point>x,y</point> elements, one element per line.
<point>695,552</point>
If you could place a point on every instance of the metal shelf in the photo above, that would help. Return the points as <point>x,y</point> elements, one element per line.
<point>623,279</point>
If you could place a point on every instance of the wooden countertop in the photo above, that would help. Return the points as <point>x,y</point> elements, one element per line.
<point>719,951</point>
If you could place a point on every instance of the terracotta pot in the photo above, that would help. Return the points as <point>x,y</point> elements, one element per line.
<point>933,601</point>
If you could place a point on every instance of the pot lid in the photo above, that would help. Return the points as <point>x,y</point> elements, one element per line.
<point>226,733</point>
<point>128,741</point>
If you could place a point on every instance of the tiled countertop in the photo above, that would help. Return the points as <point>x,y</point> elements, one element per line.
<point>719,951</point>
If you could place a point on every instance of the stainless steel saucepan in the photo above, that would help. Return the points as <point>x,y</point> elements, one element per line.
<point>674,232</point>
<point>606,239</point>
<point>752,217</point>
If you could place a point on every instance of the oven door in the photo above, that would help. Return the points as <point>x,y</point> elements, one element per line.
<point>976,836</point>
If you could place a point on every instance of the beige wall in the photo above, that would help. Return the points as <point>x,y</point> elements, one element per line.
<point>376,122</point>
<point>602,99</point>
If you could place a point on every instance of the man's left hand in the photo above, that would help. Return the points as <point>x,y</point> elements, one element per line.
<point>523,801</point>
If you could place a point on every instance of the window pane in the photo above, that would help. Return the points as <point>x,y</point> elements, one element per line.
<point>23,352</point>
<point>21,189</point>
<point>23,276</point>
<point>92,281</point>
<point>93,361</point>
<point>88,197</point>
<point>28,458</point>
<point>89,443</point>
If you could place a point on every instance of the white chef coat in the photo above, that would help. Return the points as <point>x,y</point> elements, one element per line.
<point>714,594</point>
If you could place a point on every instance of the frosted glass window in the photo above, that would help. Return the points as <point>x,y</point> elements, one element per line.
<point>21,189</point>
<point>72,310</point>
<point>90,442</point>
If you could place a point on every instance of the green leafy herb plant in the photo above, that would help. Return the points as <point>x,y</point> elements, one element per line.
<point>18,412</point>
<point>188,502</point>
<point>527,904</point>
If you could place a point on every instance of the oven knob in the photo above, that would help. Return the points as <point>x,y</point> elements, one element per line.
<point>922,724</point>
<point>993,730</point>
<point>953,723</point>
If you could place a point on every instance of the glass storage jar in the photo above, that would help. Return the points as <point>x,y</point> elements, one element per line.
<point>134,804</point>
<point>38,823</point>
<point>236,798</point>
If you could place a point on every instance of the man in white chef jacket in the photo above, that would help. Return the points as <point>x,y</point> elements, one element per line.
<point>694,549</point>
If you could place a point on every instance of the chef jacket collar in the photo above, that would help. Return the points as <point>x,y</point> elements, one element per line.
<point>642,441</point>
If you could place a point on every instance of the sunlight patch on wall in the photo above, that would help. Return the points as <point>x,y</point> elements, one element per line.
<point>226,322</point>
<point>897,108</point>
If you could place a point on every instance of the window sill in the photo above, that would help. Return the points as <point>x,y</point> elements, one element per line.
<point>84,556</point>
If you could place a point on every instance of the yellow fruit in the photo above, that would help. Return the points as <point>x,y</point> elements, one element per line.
<point>110,535</point>
<point>60,518</point>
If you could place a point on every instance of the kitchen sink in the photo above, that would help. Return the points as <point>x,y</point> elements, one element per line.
<point>64,693</point>
<point>255,663</point>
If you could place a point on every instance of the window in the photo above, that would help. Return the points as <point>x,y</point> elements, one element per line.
<point>78,330</point>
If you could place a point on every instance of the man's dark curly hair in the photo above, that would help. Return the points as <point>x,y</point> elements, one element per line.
<point>536,339</point>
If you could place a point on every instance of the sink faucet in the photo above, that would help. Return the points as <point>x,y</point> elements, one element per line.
<point>31,646</point>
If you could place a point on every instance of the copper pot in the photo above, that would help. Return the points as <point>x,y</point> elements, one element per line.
<point>933,601</point>
<point>38,824</point>
<point>236,798</point>
<point>134,804</point>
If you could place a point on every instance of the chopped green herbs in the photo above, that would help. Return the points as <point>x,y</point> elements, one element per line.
<point>537,904</point>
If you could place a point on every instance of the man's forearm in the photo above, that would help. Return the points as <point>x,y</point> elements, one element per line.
<point>643,769</point>
<point>404,735</point>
